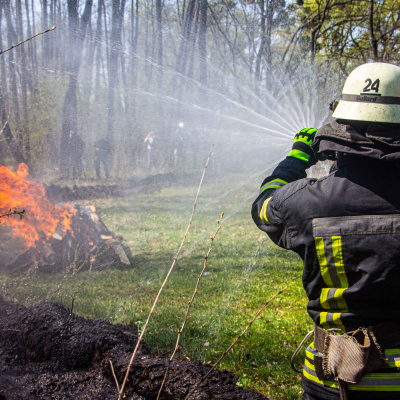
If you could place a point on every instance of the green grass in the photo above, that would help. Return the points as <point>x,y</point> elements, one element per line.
<point>244,270</point>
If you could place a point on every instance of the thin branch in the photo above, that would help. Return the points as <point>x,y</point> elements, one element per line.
<point>12,212</point>
<point>190,302</point>
<point>234,342</point>
<point>115,378</point>
<point>121,392</point>
<point>26,40</point>
<point>3,127</point>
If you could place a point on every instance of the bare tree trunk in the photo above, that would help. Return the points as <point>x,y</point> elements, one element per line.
<point>70,113</point>
<point>12,39</point>
<point>186,34</point>
<point>118,7</point>
<point>268,33</point>
<point>203,42</point>
<point>192,46</point>
<point>61,39</point>
<point>97,47</point>
<point>134,43</point>
<point>3,68</point>
<point>152,56</point>
<point>159,45</point>
<point>45,38</point>
<point>24,79</point>
<point>313,42</point>
<point>261,49</point>
<point>374,42</point>
<point>5,125</point>
<point>32,48</point>
<point>4,118</point>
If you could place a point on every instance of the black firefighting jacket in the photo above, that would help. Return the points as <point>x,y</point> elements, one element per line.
<point>345,226</point>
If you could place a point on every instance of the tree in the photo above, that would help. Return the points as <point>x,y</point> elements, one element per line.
<point>76,32</point>
<point>347,31</point>
<point>118,7</point>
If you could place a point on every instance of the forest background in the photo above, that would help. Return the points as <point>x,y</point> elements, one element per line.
<point>118,69</point>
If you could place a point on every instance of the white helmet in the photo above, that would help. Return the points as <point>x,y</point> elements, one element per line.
<point>371,93</point>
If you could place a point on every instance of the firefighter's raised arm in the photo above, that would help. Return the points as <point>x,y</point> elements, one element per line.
<point>265,210</point>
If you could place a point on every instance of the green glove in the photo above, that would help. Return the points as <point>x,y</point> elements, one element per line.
<point>302,146</point>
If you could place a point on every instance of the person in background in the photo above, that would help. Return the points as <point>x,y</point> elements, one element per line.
<point>102,156</point>
<point>180,147</point>
<point>149,139</point>
<point>346,228</point>
<point>77,147</point>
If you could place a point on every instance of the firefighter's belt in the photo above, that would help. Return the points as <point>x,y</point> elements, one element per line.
<point>349,356</point>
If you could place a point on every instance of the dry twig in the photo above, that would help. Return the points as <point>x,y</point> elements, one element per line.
<point>26,40</point>
<point>121,391</point>
<point>190,302</point>
<point>3,127</point>
<point>115,378</point>
<point>234,342</point>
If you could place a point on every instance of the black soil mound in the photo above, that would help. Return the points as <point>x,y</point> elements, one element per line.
<point>47,352</point>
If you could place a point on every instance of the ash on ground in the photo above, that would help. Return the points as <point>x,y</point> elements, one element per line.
<point>47,352</point>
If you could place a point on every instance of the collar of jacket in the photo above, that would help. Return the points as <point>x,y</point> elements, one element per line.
<point>335,137</point>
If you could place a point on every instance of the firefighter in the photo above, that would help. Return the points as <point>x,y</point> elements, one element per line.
<point>149,139</point>
<point>102,155</point>
<point>346,228</point>
<point>77,147</point>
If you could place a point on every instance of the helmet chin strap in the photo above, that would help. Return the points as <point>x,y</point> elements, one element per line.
<point>328,155</point>
<point>333,104</point>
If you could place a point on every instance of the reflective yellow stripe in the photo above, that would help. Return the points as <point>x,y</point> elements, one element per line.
<point>383,375</point>
<point>274,184</point>
<point>319,243</point>
<point>390,352</point>
<point>340,300</point>
<point>330,258</point>
<point>333,321</point>
<point>357,387</point>
<point>393,357</point>
<point>338,322</point>
<point>315,378</point>
<point>299,155</point>
<point>323,321</point>
<point>394,364</point>
<point>263,212</point>
<point>374,388</point>
<point>338,257</point>
<point>309,355</point>
<point>326,299</point>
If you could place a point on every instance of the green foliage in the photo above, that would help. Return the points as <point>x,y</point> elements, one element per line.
<point>12,212</point>
<point>350,32</point>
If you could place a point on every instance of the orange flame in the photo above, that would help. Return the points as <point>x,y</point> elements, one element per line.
<point>41,217</point>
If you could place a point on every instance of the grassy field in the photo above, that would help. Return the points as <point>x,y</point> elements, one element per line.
<point>244,270</point>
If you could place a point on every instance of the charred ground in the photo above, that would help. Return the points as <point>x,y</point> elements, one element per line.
<point>47,352</point>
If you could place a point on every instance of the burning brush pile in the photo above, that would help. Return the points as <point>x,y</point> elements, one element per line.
<point>55,237</point>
